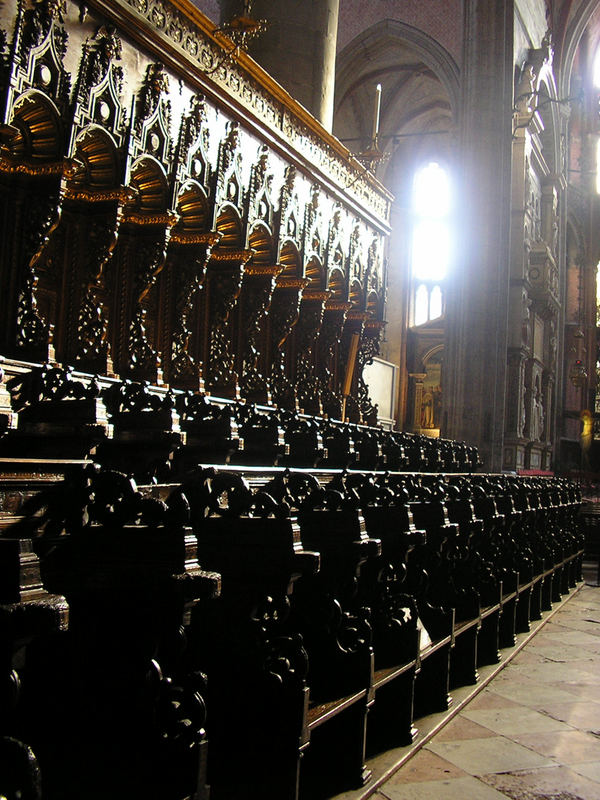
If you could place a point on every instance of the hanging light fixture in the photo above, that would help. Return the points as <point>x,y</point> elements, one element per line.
<point>237,34</point>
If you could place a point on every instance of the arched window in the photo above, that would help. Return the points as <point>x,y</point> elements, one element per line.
<point>430,241</point>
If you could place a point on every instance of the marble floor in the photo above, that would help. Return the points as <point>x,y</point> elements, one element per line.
<point>533,733</point>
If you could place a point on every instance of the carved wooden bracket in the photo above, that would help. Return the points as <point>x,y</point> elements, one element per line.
<point>224,275</point>
<point>368,349</point>
<point>308,389</point>
<point>141,254</point>
<point>283,315</point>
<point>327,346</point>
<point>181,280</point>
<point>353,326</point>
<point>255,301</point>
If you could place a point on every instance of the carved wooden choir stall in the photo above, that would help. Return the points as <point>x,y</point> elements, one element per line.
<point>219,576</point>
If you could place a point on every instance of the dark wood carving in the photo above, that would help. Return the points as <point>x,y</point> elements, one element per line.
<point>289,216</point>
<point>353,326</point>
<point>330,334</point>
<point>257,666</point>
<point>190,247</point>
<point>35,105</point>
<point>367,350</point>
<point>257,291</point>
<point>223,283</point>
<point>285,309</point>
<point>144,234</point>
<point>257,286</point>
<point>225,272</point>
<point>305,334</point>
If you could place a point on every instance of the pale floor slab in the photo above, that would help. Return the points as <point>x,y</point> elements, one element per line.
<point>482,756</point>
<point>511,721</point>
<point>563,653</point>
<point>467,788</point>
<point>462,728</point>
<point>425,767</point>
<point>531,694</point>
<point>567,747</point>
<point>566,636</point>
<point>551,673</point>
<point>590,770</point>
<point>582,715</point>
<point>557,783</point>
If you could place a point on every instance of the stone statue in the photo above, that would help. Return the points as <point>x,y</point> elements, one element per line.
<point>525,94</point>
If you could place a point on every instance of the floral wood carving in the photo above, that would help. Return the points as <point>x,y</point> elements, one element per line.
<point>257,291</point>
<point>260,205</point>
<point>229,181</point>
<point>192,149</point>
<point>368,349</point>
<point>40,47</point>
<point>225,274</point>
<point>152,122</point>
<point>283,315</point>
<point>289,215</point>
<point>100,85</point>
<point>187,267</point>
<point>305,334</point>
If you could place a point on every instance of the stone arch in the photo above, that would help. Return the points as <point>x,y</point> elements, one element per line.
<point>420,83</point>
<point>389,34</point>
<point>575,29</point>
<point>548,109</point>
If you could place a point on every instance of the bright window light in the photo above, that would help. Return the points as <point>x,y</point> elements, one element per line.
<point>431,191</point>
<point>431,243</point>
<point>435,303</point>
<point>598,166</point>
<point>421,305</point>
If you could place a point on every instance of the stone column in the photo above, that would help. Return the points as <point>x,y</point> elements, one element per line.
<point>297,49</point>
<point>475,361</point>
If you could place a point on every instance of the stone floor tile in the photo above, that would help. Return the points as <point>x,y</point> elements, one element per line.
<point>454,789</point>
<point>556,783</point>
<point>551,672</point>
<point>491,699</point>
<point>530,734</point>
<point>560,652</point>
<point>483,756</point>
<point>425,766</point>
<point>581,691</point>
<point>513,721</point>
<point>528,657</point>
<point>581,715</point>
<point>590,769</point>
<point>462,728</point>
<point>532,694</point>
<point>585,625</point>
<point>567,747</point>
<point>567,636</point>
